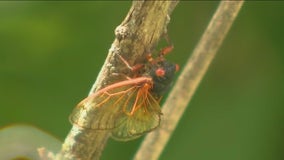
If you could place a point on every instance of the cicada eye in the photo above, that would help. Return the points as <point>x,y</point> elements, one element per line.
<point>177,67</point>
<point>160,72</point>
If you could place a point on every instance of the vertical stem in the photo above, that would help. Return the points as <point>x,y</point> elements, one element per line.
<point>189,79</point>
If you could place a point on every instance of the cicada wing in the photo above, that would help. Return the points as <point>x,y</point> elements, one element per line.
<point>101,109</point>
<point>144,120</point>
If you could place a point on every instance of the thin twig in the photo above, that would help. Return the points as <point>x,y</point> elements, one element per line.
<point>189,79</point>
<point>137,35</point>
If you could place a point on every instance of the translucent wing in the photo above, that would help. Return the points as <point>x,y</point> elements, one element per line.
<point>143,120</point>
<point>142,115</point>
<point>101,109</point>
<point>127,108</point>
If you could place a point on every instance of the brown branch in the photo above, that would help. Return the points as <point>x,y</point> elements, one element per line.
<point>137,35</point>
<point>189,79</point>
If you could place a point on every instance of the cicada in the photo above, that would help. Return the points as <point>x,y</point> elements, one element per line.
<point>129,108</point>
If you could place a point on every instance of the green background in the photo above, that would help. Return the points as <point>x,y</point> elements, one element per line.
<point>51,53</point>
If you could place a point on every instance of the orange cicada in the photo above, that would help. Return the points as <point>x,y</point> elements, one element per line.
<point>130,107</point>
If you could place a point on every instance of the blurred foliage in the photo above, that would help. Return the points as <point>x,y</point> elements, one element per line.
<point>24,142</point>
<point>51,53</point>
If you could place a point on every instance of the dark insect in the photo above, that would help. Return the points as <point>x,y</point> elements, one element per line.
<point>129,108</point>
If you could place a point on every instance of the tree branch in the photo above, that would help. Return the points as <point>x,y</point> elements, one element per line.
<point>189,79</point>
<point>137,35</point>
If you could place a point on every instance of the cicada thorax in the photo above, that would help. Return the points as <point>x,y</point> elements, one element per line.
<point>162,73</point>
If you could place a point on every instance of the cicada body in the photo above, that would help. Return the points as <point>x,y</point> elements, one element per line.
<point>128,108</point>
